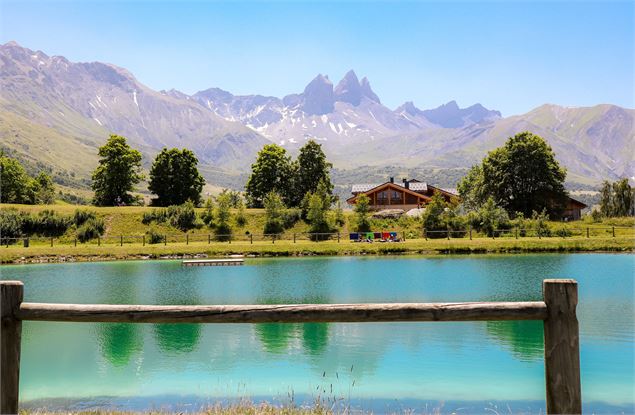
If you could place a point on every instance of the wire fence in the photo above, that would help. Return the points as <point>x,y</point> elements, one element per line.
<point>301,237</point>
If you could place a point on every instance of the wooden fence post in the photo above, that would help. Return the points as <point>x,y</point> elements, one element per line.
<point>251,238</point>
<point>187,239</point>
<point>165,240</point>
<point>11,294</point>
<point>293,237</point>
<point>75,241</point>
<point>338,237</point>
<point>516,232</point>
<point>209,239</point>
<point>562,347</point>
<point>51,241</point>
<point>613,231</point>
<point>587,232</point>
<point>98,241</point>
<point>121,241</point>
<point>425,234</point>
<point>470,229</point>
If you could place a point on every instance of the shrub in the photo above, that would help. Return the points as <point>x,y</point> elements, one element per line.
<point>223,228</point>
<point>81,216</point>
<point>11,223</point>
<point>155,215</point>
<point>91,229</point>
<point>563,232</point>
<point>539,223</point>
<point>274,212</point>
<point>208,214</point>
<point>290,217</point>
<point>241,219</point>
<point>182,217</point>
<point>153,236</point>
<point>47,223</point>
<point>491,218</point>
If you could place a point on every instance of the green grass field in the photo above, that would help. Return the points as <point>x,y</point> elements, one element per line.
<point>126,222</point>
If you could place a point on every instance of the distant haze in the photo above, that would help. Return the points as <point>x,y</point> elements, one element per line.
<point>512,57</point>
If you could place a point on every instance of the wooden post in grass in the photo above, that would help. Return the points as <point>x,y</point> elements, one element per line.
<point>11,294</point>
<point>562,347</point>
<point>338,237</point>
<point>448,231</point>
<point>121,240</point>
<point>75,241</point>
<point>516,232</point>
<point>187,239</point>
<point>293,237</point>
<point>613,231</point>
<point>251,238</point>
<point>209,238</point>
<point>51,241</point>
<point>165,240</point>
<point>98,241</point>
<point>425,234</point>
<point>587,232</point>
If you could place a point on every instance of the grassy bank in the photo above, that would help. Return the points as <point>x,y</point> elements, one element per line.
<point>92,252</point>
<point>127,221</point>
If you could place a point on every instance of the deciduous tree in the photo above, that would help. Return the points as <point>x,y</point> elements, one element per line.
<point>174,178</point>
<point>118,172</point>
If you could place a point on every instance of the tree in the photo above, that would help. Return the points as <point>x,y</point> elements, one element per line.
<point>17,187</point>
<point>14,181</point>
<point>222,215</point>
<point>617,199</point>
<point>521,176</point>
<point>318,209</point>
<point>432,218</point>
<point>312,169</point>
<point>270,173</point>
<point>174,178</point>
<point>44,189</point>
<point>118,172</point>
<point>362,213</point>
<point>274,213</point>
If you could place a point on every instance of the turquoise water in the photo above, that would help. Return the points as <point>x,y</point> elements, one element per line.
<point>139,366</point>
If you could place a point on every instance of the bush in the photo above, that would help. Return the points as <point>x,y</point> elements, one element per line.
<point>91,229</point>
<point>563,232</point>
<point>153,236</point>
<point>47,223</point>
<point>241,219</point>
<point>208,214</point>
<point>11,223</point>
<point>539,223</point>
<point>290,217</point>
<point>182,217</point>
<point>81,216</point>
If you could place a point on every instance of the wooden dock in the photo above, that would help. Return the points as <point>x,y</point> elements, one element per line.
<point>212,262</point>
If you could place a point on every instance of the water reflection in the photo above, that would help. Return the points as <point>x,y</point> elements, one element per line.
<point>177,289</point>
<point>119,341</point>
<point>275,337</point>
<point>315,338</point>
<point>523,338</point>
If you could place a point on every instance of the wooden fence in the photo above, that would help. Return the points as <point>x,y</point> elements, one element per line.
<point>557,310</point>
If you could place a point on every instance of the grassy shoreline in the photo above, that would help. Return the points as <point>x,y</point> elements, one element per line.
<point>68,253</point>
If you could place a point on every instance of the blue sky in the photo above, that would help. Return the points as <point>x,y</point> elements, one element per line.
<point>510,56</point>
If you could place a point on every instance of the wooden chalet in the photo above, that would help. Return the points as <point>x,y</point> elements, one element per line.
<point>406,195</point>
<point>573,209</point>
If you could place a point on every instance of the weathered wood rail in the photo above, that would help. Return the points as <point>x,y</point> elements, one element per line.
<point>557,310</point>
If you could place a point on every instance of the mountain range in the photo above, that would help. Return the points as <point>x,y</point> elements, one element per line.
<point>55,113</point>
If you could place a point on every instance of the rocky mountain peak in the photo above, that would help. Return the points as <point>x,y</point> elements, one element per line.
<point>409,108</point>
<point>349,89</point>
<point>318,97</point>
<point>368,92</point>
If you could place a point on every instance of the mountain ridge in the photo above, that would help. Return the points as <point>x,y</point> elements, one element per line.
<point>78,104</point>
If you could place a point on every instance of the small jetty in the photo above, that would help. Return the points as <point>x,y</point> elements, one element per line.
<point>212,262</point>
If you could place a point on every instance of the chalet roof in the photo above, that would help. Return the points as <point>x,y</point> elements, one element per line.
<point>414,186</point>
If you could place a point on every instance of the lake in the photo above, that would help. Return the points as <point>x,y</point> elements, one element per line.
<point>464,367</point>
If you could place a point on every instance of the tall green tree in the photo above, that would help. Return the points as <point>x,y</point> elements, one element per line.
<point>521,176</point>
<point>274,213</point>
<point>617,199</point>
<point>14,182</point>
<point>312,169</point>
<point>118,172</point>
<point>223,229</point>
<point>362,213</point>
<point>174,178</point>
<point>44,189</point>
<point>272,172</point>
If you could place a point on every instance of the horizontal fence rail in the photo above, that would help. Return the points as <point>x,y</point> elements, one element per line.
<point>286,313</point>
<point>557,311</point>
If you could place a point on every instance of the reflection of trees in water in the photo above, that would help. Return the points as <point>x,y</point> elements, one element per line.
<point>275,337</point>
<point>315,337</point>
<point>523,338</point>
<point>177,337</point>
<point>119,341</point>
